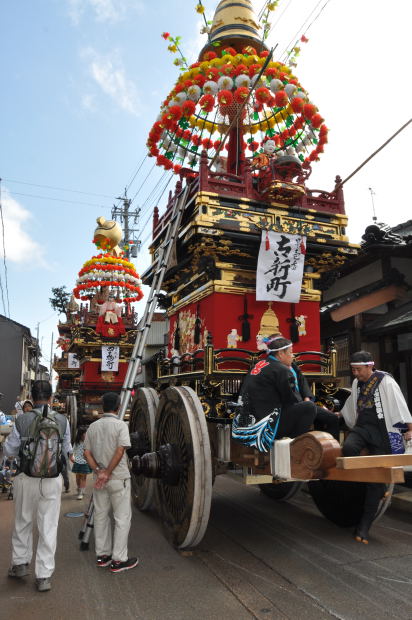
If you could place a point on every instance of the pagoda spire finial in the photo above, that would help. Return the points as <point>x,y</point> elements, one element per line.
<point>236,25</point>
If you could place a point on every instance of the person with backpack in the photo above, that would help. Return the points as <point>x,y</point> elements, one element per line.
<point>39,438</point>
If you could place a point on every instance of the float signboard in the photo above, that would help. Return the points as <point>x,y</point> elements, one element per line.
<point>110,358</point>
<point>280,267</point>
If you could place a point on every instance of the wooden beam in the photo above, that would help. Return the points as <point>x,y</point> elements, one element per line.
<point>380,460</point>
<point>386,475</point>
<point>367,302</point>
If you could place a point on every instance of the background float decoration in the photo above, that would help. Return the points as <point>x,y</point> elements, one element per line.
<point>109,272</point>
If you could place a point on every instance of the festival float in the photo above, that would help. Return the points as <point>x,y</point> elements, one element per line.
<point>98,335</point>
<point>238,254</point>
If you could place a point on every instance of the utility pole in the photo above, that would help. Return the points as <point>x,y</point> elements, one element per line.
<point>124,216</point>
<point>36,373</point>
<point>51,357</point>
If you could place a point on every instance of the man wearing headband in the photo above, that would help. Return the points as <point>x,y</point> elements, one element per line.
<point>324,420</point>
<point>271,385</point>
<point>376,413</point>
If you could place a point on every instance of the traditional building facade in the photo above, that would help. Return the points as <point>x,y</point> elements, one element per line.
<point>369,305</point>
<point>18,367</point>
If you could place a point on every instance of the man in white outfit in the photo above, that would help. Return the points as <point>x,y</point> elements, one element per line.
<point>105,451</point>
<point>35,498</point>
<point>379,420</point>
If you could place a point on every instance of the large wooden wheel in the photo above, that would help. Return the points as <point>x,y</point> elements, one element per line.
<point>142,418</point>
<point>184,501</point>
<point>342,502</point>
<point>281,491</point>
<point>71,412</point>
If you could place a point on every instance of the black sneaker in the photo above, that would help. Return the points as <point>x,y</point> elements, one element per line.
<point>119,567</point>
<point>103,560</point>
<point>19,570</point>
<point>43,584</point>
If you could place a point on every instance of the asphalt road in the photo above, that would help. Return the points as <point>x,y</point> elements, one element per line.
<point>259,559</point>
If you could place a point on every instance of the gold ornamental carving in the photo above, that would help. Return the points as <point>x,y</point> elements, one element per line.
<point>326,261</point>
<point>108,377</point>
<point>210,247</point>
<point>269,323</point>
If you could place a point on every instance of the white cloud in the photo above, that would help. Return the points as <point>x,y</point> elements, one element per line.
<point>111,11</point>
<point>20,247</point>
<point>76,10</point>
<point>195,44</point>
<point>88,102</point>
<point>107,71</point>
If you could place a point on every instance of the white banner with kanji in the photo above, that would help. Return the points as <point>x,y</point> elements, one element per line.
<point>73,360</point>
<point>110,358</point>
<point>280,267</point>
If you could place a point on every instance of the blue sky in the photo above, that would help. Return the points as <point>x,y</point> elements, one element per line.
<point>82,82</point>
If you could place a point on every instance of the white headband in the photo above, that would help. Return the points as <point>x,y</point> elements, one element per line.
<point>267,340</point>
<point>362,363</point>
<point>281,348</point>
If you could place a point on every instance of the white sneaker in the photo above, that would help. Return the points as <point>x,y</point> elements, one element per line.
<point>80,496</point>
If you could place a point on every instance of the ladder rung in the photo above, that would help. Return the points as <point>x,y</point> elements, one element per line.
<point>152,299</point>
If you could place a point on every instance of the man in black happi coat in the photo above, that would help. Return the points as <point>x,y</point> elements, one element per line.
<point>277,383</point>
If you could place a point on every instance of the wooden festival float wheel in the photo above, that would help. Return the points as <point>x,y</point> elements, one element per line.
<point>342,502</point>
<point>71,412</point>
<point>142,418</point>
<point>281,491</point>
<point>312,455</point>
<point>182,466</point>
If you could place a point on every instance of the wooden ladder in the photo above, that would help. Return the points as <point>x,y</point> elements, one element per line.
<point>161,265</point>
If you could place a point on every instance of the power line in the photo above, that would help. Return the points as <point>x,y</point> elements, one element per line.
<point>4,253</point>
<point>76,202</point>
<point>62,189</point>
<point>153,192</point>
<point>150,214</point>
<point>262,10</point>
<point>136,173</point>
<point>280,17</point>
<point>296,35</point>
<point>313,21</point>
<point>5,266</point>
<point>144,181</point>
<point>4,259</point>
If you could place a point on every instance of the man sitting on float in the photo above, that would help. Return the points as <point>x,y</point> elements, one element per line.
<point>271,403</point>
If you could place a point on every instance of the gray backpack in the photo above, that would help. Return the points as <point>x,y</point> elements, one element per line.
<point>41,455</point>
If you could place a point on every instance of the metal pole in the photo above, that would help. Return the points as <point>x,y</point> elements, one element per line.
<point>126,203</point>
<point>51,357</point>
<point>339,185</point>
<point>36,373</point>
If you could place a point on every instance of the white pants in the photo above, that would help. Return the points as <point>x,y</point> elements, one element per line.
<point>40,497</point>
<point>116,495</point>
